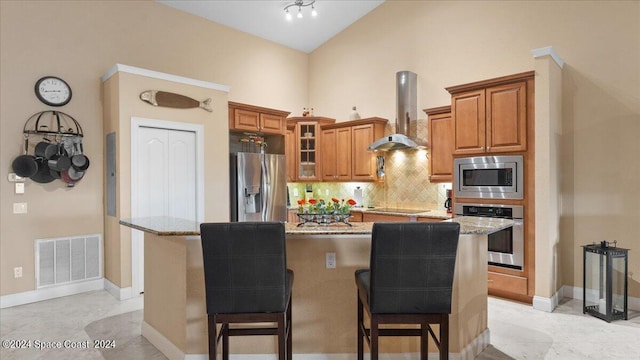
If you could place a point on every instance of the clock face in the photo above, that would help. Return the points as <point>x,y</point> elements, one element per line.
<point>53,91</point>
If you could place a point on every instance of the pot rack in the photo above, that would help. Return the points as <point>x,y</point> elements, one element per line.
<point>52,122</point>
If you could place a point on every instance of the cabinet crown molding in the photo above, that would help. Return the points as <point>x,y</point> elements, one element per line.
<point>491,82</point>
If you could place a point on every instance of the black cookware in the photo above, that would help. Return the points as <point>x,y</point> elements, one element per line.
<point>43,175</point>
<point>25,165</point>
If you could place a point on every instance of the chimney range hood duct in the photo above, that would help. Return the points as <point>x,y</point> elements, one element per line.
<point>406,111</point>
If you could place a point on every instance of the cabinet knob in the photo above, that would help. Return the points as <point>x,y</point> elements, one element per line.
<point>488,148</point>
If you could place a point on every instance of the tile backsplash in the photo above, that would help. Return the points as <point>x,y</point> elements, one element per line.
<point>406,185</point>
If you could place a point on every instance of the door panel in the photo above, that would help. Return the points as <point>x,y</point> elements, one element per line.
<point>163,182</point>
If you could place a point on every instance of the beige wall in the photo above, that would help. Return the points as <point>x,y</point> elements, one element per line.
<point>454,42</point>
<point>85,40</point>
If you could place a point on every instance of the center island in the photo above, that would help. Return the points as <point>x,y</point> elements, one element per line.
<point>324,298</point>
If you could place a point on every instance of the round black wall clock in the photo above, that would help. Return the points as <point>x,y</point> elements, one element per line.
<point>53,91</point>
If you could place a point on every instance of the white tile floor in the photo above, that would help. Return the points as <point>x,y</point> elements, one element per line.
<point>517,330</point>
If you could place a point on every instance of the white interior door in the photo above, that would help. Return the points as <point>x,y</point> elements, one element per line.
<point>163,183</point>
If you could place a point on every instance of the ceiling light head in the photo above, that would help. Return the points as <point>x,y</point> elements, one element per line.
<point>300,4</point>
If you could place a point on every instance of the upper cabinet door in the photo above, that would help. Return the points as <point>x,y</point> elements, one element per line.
<point>343,154</point>
<point>468,110</point>
<point>364,167</point>
<point>507,118</point>
<point>440,145</point>
<point>246,120</point>
<point>273,124</point>
<point>329,161</point>
<point>290,153</point>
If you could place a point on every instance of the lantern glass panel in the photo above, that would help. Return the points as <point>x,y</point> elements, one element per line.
<point>595,282</point>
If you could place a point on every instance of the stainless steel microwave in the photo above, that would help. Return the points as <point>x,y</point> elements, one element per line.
<point>489,177</point>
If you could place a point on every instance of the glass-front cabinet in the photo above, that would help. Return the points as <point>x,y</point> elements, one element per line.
<point>308,155</point>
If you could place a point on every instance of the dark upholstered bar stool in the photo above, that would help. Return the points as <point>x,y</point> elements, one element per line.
<point>409,282</point>
<point>247,281</point>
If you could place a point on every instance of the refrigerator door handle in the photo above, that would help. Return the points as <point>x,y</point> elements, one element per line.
<point>265,189</point>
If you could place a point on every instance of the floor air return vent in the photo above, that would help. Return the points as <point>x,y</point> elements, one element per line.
<point>68,260</point>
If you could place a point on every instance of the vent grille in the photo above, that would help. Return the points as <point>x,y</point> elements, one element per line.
<point>67,260</point>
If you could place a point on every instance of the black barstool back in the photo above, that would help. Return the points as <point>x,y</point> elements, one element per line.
<point>246,281</point>
<point>410,281</point>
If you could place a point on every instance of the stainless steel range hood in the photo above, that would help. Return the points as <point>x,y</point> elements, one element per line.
<point>406,111</point>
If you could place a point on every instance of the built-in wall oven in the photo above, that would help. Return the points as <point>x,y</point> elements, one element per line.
<point>506,247</point>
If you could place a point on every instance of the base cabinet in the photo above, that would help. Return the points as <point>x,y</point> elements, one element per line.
<point>507,283</point>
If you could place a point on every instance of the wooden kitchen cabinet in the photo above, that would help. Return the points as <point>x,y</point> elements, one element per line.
<point>344,149</point>
<point>290,152</point>
<point>441,145</point>
<point>244,117</point>
<point>364,161</point>
<point>292,216</point>
<point>356,216</point>
<point>308,153</point>
<point>369,217</point>
<point>490,116</point>
<point>336,154</point>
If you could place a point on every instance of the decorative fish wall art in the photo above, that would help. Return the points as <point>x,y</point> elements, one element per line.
<point>173,100</point>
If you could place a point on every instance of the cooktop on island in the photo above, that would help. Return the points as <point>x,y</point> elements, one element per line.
<point>396,210</point>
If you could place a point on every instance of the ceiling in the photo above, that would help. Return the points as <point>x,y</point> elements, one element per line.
<point>266,18</point>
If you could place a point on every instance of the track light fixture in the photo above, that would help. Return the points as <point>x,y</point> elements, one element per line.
<point>300,4</point>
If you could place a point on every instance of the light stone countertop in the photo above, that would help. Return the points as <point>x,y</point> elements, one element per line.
<point>163,225</point>
<point>432,213</point>
<point>169,226</point>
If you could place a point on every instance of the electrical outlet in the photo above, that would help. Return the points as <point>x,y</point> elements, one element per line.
<point>326,192</point>
<point>19,208</point>
<point>19,188</point>
<point>330,259</point>
<point>17,272</point>
<point>296,193</point>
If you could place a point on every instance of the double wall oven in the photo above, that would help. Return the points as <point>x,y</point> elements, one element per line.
<point>494,177</point>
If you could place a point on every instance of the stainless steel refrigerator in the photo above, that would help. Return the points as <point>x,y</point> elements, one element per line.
<point>258,187</point>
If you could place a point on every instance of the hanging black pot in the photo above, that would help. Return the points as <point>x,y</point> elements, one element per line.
<point>46,149</point>
<point>60,161</point>
<point>25,165</point>
<point>43,175</point>
<point>79,161</point>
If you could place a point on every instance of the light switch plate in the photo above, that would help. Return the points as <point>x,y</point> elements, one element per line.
<point>19,188</point>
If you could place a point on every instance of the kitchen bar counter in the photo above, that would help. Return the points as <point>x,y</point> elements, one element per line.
<point>324,297</point>
<point>468,225</point>
<point>169,226</point>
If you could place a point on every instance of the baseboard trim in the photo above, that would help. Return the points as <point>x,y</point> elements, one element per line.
<point>118,292</point>
<point>547,304</point>
<point>572,292</point>
<point>162,343</point>
<point>48,293</point>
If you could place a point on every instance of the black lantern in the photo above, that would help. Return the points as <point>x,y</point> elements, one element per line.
<point>605,281</point>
